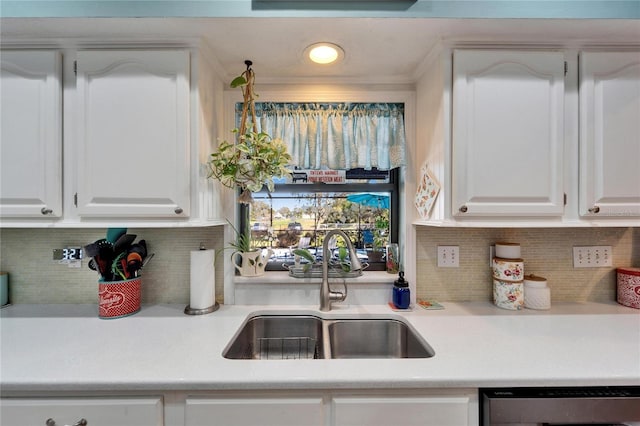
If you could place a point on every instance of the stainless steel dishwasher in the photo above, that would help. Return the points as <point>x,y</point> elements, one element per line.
<point>556,406</point>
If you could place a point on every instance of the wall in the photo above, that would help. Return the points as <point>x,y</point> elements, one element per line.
<point>582,9</point>
<point>546,252</point>
<point>35,278</point>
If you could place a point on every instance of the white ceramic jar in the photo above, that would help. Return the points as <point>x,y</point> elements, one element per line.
<point>508,250</point>
<point>537,294</point>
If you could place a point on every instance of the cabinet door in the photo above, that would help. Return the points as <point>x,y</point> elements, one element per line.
<point>68,411</point>
<point>276,411</point>
<point>508,112</point>
<point>610,134</point>
<point>31,134</point>
<point>133,133</point>
<point>406,411</point>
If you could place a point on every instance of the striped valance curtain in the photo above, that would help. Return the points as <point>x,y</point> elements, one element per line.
<point>337,136</point>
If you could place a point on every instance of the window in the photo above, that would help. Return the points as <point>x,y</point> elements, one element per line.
<point>299,215</point>
<point>365,144</point>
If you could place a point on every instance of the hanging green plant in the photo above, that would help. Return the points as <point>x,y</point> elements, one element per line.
<point>256,158</point>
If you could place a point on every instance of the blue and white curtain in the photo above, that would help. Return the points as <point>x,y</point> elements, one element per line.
<point>337,136</point>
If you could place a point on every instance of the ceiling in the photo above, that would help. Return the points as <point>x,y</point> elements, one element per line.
<point>377,50</point>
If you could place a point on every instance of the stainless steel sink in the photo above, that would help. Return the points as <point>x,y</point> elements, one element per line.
<point>311,337</point>
<point>376,338</point>
<point>278,337</point>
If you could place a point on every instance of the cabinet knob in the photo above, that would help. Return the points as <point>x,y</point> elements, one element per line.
<point>81,422</point>
<point>178,210</point>
<point>594,209</point>
<point>463,209</point>
<point>46,211</point>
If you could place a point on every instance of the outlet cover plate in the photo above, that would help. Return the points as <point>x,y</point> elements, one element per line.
<point>448,256</point>
<point>592,256</point>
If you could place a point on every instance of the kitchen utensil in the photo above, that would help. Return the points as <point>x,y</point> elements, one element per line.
<point>104,258</point>
<point>147,259</point>
<point>97,251</point>
<point>140,247</point>
<point>114,233</point>
<point>91,250</point>
<point>133,262</point>
<point>92,265</point>
<point>119,267</point>
<point>123,243</point>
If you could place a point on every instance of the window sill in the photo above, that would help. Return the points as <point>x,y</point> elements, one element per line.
<point>277,277</point>
<point>278,288</point>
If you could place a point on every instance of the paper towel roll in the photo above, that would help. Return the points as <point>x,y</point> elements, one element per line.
<point>203,279</point>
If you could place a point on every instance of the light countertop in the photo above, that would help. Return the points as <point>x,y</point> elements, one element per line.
<point>68,348</point>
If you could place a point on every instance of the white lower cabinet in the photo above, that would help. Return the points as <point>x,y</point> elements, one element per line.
<point>335,408</point>
<point>263,411</point>
<point>401,410</point>
<point>140,411</point>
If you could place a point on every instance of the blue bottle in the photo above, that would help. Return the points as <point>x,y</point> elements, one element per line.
<point>401,292</point>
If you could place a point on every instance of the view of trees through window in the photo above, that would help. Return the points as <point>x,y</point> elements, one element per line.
<point>284,221</point>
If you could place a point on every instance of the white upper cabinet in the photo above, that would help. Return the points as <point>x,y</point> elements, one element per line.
<point>133,140</point>
<point>508,133</point>
<point>31,134</point>
<point>609,134</point>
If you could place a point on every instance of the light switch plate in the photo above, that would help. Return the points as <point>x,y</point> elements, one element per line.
<point>592,256</point>
<point>448,256</point>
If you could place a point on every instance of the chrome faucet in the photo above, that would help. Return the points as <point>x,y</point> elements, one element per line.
<point>326,295</point>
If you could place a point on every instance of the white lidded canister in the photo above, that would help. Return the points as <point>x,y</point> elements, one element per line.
<point>506,250</point>
<point>537,295</point>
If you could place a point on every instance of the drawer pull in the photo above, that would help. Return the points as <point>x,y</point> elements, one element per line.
<point>178,210</point>
<point>463,209</point>
<point>81,422</point>
<point>46,211</point>
<point>594,209</point>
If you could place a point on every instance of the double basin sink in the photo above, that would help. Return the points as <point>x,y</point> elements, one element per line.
<point>312,337</point>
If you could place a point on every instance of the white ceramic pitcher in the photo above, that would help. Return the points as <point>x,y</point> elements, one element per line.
<point>252,263</point>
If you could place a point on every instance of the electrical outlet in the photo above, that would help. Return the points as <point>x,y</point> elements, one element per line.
<point>448,256</point>
<point>592,256</point>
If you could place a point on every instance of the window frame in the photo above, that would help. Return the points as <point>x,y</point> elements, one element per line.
<point>392,187</point>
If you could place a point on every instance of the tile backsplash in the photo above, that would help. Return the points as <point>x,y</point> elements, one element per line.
<point>35,278</point>
<point>546,252</point>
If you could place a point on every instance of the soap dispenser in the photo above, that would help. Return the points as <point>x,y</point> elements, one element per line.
<point>401,292</point>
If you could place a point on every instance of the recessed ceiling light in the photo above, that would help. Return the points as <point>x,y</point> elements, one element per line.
<point>324,53</point>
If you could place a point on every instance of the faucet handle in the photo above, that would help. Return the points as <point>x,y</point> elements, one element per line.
<point>337,296</point>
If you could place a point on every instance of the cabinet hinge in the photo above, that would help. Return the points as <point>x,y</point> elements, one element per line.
<point>565,198</point>
<point>75,67</point>
<point>566,68</point>
<point>75,199</point>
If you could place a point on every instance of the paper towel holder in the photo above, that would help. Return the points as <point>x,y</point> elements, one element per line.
<point>203,311</point>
